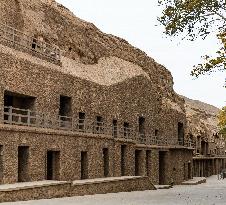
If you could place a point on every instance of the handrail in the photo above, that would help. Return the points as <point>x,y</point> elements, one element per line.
<point>26,117</point>
<point>15,36</point>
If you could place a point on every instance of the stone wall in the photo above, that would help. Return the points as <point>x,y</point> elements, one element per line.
<point>104,76</point>
<point>125,101</point>
<point>48,190</point>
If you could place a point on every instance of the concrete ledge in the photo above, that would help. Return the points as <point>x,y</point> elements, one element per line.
<point>163,186</point>
<point>58,189</point>
<point>28,185</point>
<point>33,191</point>
<point>104,180</point>
<point>111,185</point>
<point>195,181</point>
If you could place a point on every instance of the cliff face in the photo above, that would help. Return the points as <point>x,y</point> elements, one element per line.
<point>79,40</point>
<point>201,117</point>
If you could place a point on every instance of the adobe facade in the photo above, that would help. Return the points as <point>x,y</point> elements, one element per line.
<point>80,104</point>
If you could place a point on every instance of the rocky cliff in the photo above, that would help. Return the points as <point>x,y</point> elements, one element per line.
<point>201,117</point>
<point>80,40</point>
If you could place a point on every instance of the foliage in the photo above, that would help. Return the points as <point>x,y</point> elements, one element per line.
<point>197,18</point>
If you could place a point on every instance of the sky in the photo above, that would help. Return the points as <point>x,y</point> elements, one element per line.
<point>136,21</point>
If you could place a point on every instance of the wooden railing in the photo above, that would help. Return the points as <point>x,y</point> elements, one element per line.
<point>20,39</point>
<point>25,117</point>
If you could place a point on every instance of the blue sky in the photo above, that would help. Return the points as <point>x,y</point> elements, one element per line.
<point>136,21</point>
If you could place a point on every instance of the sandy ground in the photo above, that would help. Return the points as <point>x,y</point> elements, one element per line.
<point>211,193</point>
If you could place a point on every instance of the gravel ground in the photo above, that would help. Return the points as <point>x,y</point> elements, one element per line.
<point>211,193</point>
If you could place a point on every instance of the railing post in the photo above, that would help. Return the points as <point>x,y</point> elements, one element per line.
<point>29,117</point>
<point>10,119</point>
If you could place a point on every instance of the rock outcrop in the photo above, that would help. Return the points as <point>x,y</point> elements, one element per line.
<point>80,40</point>
<point>201,117</point>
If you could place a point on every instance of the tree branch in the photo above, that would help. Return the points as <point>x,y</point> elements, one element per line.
<point>220,15</point>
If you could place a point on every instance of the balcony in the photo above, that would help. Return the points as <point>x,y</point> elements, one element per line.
<point>17,39</point>
<point>23,117</point>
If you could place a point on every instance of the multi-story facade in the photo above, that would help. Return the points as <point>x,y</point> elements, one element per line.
<point>76,103</point>
<point>80,104</point>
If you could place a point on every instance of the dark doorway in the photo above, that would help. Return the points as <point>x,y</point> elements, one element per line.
<point>126,129</point>
<point>23,157</point>
<point>65,112</point>
<point>18,100</point>
<point>185,171</point>
<point>156,133</point>
<point>106,161</point>
<point>34,44</point>
<point>189,171</point>
<point>141,125</point>
<point>181,133</point>
<point>198,144</point>
<point>148,162</point>
<point>65,106</point>
<point>1,164</point>
<point>53,165</point>
<point>18,108</point>
<point>99,125</point>
<point>84,165</point>
<point>138,162</point>
<point>162,163</point>
<point>123,160</point>
<point>203,147</point>
<point>81,122</point>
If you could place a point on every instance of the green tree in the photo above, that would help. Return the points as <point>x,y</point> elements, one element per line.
<point>197,18</point>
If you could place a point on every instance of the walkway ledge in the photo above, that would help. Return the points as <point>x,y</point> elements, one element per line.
<point>195,181</point>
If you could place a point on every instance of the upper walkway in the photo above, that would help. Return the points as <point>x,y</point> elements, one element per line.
<point>26,117</point>
<point>14,38</point>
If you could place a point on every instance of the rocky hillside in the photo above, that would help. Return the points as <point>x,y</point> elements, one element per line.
<point>202,117</point>
<point>80,40</point>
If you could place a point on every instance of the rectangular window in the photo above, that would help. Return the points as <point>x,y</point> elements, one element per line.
<point>141,126</point>
<point>99,125</point>
<point>18,108</point>
<point>65,106</point>
<point>65,110</point>
<point>18,100</point>
<point>115,128</point>
<point>81,121</point>
<point>126,129</point>
<point>156,133</point>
